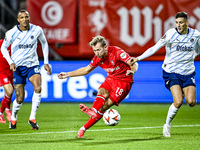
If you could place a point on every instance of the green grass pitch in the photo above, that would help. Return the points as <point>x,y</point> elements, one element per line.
<point>140,128</point>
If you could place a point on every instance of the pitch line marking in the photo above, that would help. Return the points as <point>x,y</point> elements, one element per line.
<point>135,128</point>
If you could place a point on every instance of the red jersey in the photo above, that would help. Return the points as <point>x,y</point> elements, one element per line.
<point>114,64</point>
<point>4,66</point>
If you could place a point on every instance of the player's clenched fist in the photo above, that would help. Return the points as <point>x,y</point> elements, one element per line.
<point>62,75</point>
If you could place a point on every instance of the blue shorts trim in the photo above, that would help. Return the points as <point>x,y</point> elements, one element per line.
<point>177,79</point>
<point>22,73</point>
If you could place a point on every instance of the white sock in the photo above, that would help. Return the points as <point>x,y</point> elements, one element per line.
<point>8,109</point>
<point>35,104</point>
<point>83,128</point>
<point>15,109</point>
<point>171,113</point>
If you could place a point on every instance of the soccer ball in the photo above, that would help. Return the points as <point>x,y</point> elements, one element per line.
<point>111,117</point>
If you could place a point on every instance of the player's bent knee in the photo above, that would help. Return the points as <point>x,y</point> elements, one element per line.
<point>38,89</point>
<point>9,93</point>
<point>20,100</point>
<point>178,104</point>
<point>103,93</point>
<point>192,103</point>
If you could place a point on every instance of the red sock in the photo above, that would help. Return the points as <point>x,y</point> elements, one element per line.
<point>5,103</point>
<point>8,101</point>
<point>91,121</point>
<point>98,102</point>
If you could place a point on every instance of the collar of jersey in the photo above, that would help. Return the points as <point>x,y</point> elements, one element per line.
<point>180,33</point>
<point>21,30</point>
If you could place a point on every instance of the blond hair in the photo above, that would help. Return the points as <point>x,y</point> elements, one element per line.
<point>98,39</point>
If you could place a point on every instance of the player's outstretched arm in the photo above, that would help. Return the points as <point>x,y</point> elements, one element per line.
<point>62,75</point>
<point>78,72</point>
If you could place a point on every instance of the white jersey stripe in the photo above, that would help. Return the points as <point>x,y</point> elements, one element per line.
<point>174,42</point>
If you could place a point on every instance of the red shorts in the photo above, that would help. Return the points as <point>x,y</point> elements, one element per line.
<point>6,79</point>
<point>117,89</point>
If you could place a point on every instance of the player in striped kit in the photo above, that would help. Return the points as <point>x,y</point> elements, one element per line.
<point>182,47</point>
<point>24,63</point>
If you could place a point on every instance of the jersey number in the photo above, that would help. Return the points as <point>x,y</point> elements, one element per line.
<point>119,91</point>
<point>37,70</point>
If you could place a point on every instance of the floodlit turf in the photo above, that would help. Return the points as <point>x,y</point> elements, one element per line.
<point>140,128</point>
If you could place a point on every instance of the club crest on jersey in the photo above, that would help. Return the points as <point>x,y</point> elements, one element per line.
<point>123,55</point>
<point>32,37</point>
<point>191,40</point>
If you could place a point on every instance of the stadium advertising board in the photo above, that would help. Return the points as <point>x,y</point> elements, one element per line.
<point>148,87</point>
<point>133,25</point>
<point>57,18</point>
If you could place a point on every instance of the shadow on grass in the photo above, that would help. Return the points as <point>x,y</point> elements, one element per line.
<point>121,141</point>
<point>48,141</point>
<point>82,140</point>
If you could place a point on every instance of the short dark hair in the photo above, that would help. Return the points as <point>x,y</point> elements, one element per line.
<point>22,10</point>
<point>182,14</point>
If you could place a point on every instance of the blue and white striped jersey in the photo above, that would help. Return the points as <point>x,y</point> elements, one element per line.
<point>24,46</point>
<point>180,51</point>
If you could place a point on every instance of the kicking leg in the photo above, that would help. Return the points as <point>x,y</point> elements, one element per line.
<point>92,121</point>
<point>98,103</point>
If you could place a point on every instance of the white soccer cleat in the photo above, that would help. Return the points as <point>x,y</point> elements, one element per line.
<point>166,130</point>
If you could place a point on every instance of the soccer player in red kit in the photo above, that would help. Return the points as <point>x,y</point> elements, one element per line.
<point>6,80</point>
<point>116,62</point>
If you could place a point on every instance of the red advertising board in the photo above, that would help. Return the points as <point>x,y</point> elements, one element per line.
<point>57,18</point>
<point>133,25</point>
